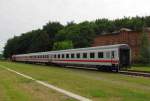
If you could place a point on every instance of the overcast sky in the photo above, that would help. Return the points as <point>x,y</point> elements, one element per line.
<point>19,16</point>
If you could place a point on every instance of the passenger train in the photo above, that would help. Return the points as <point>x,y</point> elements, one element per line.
<point>112,57</point>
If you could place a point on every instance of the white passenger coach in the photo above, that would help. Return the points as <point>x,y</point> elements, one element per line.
<point>113,57</point>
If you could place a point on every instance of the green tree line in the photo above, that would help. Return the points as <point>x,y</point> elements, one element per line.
<point>55,36</point>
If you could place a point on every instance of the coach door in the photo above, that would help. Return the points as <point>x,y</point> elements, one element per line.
<point>112,57</point>
<point>50,57</point>
<point>124,57</point>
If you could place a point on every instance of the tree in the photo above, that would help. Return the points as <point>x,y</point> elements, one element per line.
<point>103,25</point>
<point>52,29</point>
<point>25,40</point>
<point>1,56</point>
<point>11,47</point>
<point>63,45</point>
<point>144,49</point>
<point>147,21</point>
<point>81,34</point>
<point>40,42</point>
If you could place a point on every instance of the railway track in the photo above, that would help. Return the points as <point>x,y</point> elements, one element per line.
<point>125,72</point>
<point>135,73</point>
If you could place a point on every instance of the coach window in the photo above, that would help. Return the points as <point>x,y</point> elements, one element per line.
<point>78,55</point>
<point>63,55</point>
<point>92,55</point>
<point>58,55</point>
<point>72,55</point>
<point>107,54</point>
<point>84,55</point>
<point>100,55</point>
<point>113,54</point>
<point>67,55</point>
<point>55,56</point>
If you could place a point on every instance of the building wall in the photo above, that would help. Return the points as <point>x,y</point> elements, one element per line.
<point>131,38</point>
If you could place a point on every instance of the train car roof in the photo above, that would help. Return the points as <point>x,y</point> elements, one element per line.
<point>78,49</point>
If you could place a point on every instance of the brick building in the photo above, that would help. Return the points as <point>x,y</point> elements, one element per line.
<point>124,36</point>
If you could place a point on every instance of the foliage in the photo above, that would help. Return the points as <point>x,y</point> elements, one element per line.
<point>51,29</point>
<point>62,45</point>
<point>11,47</point>
<point>1,56</point>
<point>40,42</point>
<point>103,26</point>
<point>80,34</point>
<point>144,49</point>
<point>134,23</point>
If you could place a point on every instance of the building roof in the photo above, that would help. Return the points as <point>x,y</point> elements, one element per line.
<point>125,29</point>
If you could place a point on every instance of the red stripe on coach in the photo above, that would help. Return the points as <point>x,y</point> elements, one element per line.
<point>112,61</point>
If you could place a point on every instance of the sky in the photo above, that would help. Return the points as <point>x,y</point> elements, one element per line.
<point>20,16</point>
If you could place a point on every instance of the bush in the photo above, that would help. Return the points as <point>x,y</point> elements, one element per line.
<point>62,45</point>
<point>144,56</point>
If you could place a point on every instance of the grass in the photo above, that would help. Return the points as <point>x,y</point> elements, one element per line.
<point>15,88</point>
<point>98,86</point>
<point>141,67</point>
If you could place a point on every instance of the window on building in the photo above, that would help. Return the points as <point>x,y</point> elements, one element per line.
<point>78,55</point>
<point>84,55</point>
<point>92,55</point>
<point>100,55</point>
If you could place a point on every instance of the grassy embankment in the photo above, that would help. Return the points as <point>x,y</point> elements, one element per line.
<point>139,67</point>
<point>98,86</point>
